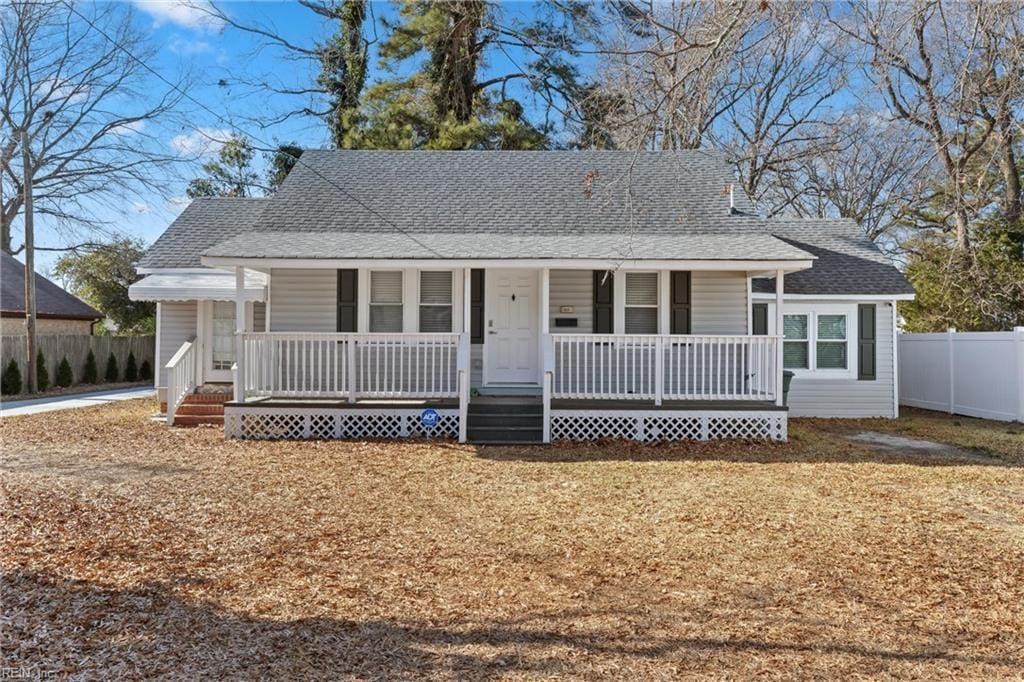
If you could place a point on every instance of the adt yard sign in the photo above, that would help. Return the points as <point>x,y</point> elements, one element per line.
<point>429,418</point>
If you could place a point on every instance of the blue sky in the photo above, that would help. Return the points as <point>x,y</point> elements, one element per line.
<point>219,59</point>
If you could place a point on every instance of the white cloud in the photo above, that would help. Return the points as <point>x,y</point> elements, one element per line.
<point>186,47</point>
<point>191,14</point>
<point>201,141</point>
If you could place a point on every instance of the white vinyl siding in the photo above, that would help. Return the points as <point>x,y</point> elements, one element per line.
<point>303,300</point>
<point>177,325</point>
<point>718,302</point>
<point>846,396</point>
<point>574,288</point>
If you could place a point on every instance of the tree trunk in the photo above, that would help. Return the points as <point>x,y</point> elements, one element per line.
<point>1008,166</point>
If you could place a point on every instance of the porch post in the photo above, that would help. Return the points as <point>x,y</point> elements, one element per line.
<point>545,345</point>
<point>239,387</point>
<point>467,300</point>
<point>545,300</point>
<point>779,286</point>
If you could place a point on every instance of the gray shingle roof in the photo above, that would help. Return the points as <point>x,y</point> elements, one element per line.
<point>203,223</point>
<point>572,197</point>
<point>478,245</point>
<point>847,261</point>
<point>51,300</point>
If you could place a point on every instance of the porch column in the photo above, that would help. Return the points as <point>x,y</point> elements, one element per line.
<point>664,302</point>
<point>779,286</point>
<point>545,301</point>
<point>239,387</point>
<point>467,300</point>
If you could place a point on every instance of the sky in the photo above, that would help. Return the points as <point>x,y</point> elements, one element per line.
<point>218,58</point>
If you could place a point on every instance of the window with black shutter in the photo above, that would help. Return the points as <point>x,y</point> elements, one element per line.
<point>760,319</point>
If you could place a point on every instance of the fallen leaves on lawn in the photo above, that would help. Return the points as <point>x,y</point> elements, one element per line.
<point>131,550</point>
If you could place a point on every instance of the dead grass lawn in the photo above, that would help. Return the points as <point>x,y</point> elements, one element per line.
<point>131,550</point>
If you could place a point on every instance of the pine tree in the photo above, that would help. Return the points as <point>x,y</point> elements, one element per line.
<point>112,371</point>
<point>42,375</point>
<point>131,371</point>
<point>90,373</point>
<point>64,376</point>
<point>10,383</point>
<point>145,371</point>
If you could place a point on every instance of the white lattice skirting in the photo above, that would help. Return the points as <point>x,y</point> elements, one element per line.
<point>667,425</point>
<point>289,423</point>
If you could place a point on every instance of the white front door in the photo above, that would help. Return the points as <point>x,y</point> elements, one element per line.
<point>511,343</point>
<point>220,341</point>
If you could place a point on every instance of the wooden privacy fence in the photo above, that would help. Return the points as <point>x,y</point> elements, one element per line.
<point>76,348</point>
<point>978,374</point>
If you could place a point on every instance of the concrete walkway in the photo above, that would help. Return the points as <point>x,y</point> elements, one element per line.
<point>68,402</point>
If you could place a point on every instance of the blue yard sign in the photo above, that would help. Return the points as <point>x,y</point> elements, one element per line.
<point>429,418</point>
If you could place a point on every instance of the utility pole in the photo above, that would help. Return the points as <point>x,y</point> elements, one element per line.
<point>30,269</point>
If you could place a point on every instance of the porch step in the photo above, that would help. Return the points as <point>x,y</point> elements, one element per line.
<point>495,421</point>
<point>196,409</point>
<point>197,419</point>
<point>207,398</point>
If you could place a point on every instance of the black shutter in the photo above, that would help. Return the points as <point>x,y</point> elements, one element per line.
<point>476,306</point>
<point>866,342</point>
<point>760,315</point>
<point>604,301</point>
<point>348,300</point>
<point>680,302</point>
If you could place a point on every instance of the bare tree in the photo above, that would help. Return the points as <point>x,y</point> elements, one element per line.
<point>935,67</point>
<point>92,115</point>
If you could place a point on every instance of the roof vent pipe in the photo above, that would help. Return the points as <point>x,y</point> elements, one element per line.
<point>730,189</point>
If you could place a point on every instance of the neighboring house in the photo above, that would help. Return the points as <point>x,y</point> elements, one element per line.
<point>519,296</point>
<point>57,311</point>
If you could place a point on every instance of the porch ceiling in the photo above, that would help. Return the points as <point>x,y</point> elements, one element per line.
<point>254,247</point>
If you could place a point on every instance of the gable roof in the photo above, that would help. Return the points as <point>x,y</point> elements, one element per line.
<point>203,223</point>
<point>480,204</point>
<point>847,261</point>
<point>51,300</point>
<point>546,192</point>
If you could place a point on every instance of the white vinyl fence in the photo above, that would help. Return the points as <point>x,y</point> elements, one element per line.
<point>978,374</point>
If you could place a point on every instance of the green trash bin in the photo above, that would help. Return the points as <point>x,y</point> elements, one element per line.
<point>787,379</point>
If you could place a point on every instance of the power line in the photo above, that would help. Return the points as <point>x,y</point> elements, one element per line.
<point>222,119</point>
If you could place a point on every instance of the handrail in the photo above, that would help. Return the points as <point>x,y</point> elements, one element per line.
<point>181,377</point>
<point>662,367</point>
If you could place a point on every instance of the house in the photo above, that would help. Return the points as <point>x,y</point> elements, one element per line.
<point>57,311</point>
<point>519,296</point>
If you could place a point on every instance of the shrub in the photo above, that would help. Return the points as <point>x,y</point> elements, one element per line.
<point>64,376</point>
<point>10,382</point>
<point>90,374</point>
<point>131,371</point>
<point>112,371</point>
<point>145,371</point>
<point>42,376</point>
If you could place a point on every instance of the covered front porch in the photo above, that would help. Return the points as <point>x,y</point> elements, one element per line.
<point>599,352</point>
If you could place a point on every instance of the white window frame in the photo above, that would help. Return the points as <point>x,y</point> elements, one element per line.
<point>420,304</point>
<point>812,312</point>
<point>657,299</point>
<point>370,303</point>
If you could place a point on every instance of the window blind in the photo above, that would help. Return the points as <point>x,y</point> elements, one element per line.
<point>385,287</point>
<point>642,288</point>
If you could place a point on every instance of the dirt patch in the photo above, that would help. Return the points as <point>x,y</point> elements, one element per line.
<point>895,443</point>
<point>191,556</point>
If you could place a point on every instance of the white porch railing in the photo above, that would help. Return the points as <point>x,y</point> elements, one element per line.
<point>658,367</point>
<point>181,377</point>
<point>352,366</point>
